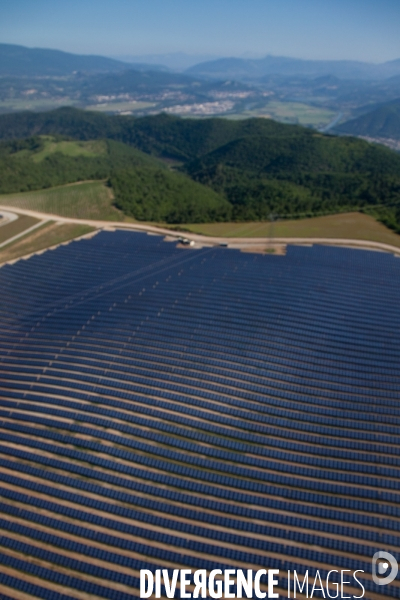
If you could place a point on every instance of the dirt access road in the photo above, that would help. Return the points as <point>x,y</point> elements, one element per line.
<point>202,240</point>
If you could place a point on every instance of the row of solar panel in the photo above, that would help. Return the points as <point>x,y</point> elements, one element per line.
<point>147,352</point>
<point>175,544</point>
<point>10,388</point>
<point>121,578</point>
<point>109,540</point>
<point>95,405</point>
<point>104,523</point>
<point>191,431</point>
<point>118,577</point>
<point>294,284</point>
<point>27,587</point>
<point>104,279</point>
<point>88,340</point>
<point>180,371</point>
<point>347,283</point>
<point>165,455</point>
<point>251,354</point>
<point>215,519</point>
<point>247,270</point>
<point>200,341</point>
<point>220,479</point>
<point>343,291</point>
<point>276,392</point>
<point>85,517</point>
<point>237,457</point>
<point>268,337</point>
<point>260,342</point>
<point>67,382</point>
<point>147,245</point>
<point>201,492</point>
<point>246,325</point>
<point>61,579</point>
<point>383,350</point>
<point>338,435</point>
<point>199,314</point>
<point>197,377</point>
<point>228,371</point>
<point>226,390</point>
<point>83,356</point>
<point>192,353</point>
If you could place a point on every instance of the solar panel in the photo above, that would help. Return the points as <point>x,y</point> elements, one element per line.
<point>195,409</point>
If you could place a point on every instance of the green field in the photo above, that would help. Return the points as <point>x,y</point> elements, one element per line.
<point>39,104</point>
<point>48,235</point>
<point>87,200</point>
<point>68,148</point>
<point>355,226</point>
<point>118,107</point>
<point>291,112</point>
<point>93,148</point>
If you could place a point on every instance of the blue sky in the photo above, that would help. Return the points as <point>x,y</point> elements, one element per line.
<point>319,29</point>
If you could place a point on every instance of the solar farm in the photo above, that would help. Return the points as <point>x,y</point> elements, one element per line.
<point>170,408</point>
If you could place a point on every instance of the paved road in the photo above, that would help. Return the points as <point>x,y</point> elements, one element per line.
<point>208,240</point>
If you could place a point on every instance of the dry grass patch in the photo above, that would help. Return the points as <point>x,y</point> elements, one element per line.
<point>84,200</point>
<point>50,234</point>
<point>356,226</point>
<point>8,230</point>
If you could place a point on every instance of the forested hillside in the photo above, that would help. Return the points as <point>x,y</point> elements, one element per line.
<point>161,135</point>
<point>151,194</point>
<point>383,122</point>
<point>143,186</point>
<point>243,170</point>
<point>301,175</point>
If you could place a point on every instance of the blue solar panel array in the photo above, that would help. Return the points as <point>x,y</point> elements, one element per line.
<point>171,408</point>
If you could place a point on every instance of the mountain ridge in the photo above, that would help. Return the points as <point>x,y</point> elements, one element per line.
<point>22,61</point>
<point>280,65</point>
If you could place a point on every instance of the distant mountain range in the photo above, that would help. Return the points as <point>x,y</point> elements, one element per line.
<point>21,61</point>
<point>176,61</point>
<point>40,62</point>
<point>38,79</point>
<point>256,69</point>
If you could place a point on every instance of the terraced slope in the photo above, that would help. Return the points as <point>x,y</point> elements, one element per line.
<point>162,407</point>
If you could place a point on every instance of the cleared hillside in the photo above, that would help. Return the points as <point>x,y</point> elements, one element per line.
<point>86,200</point>
<point>46,161</point>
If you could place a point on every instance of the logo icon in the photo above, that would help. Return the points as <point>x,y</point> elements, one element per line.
<point>381,562</point>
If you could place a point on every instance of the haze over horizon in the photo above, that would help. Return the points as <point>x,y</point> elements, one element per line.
<point>363,30</point>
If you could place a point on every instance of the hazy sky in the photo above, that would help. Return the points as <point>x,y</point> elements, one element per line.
<point>329,29</point>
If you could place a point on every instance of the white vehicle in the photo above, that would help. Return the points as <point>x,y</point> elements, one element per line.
<point>186,241</point>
